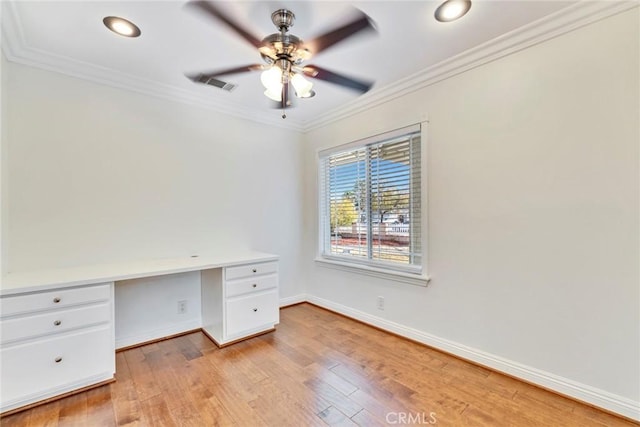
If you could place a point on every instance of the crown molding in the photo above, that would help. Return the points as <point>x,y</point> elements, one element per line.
<point>17,50</point>
<point>568,19</point>
<point>563,21</point>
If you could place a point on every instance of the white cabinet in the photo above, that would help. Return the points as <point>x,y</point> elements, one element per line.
<point>57,326</point>
<point>240,301</point>
<point>251,312</point>
<point>54,342</point>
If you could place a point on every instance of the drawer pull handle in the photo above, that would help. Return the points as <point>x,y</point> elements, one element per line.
<point>255,270</point>
<point>58,359</point>
<point>56,300</point>
<point>255,309</point>
<point>254,285</point>
<point>57,322</point>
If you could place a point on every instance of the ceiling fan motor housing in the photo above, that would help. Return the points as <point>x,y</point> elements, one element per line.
<point>283,45</point>
<point>283,18</point>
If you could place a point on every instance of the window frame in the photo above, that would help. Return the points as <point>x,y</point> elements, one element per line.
<point>409,273</point>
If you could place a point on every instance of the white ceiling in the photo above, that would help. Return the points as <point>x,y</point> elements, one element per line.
<point>69,36</point>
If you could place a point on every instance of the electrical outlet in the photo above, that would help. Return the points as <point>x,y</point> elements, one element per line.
<point>380,303</point>
<point>182,307</point>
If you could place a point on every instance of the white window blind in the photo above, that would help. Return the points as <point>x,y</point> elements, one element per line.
<point>371,201</point>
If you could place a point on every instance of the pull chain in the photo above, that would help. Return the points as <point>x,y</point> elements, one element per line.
<point>283,97</point>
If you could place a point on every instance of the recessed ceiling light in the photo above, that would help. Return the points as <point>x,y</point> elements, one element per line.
<point>121,26</point>
<point>451,10</point>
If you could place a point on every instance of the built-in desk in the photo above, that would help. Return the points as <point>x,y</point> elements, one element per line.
<point>57,326</point>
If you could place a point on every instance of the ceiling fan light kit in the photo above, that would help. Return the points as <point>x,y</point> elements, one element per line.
<point>283,54</point>
<point>451,10</point>
<point>302,86</point>
<point>285,47</point>
<point>275,95</point>
<point>271,79</point>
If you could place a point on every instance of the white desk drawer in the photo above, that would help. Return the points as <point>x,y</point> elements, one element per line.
<point>39,301</point>
<point>39,368</point>
<point>54,322</point>
<point>252,312</point>
<point>245,286</point>
<point>250,270</point>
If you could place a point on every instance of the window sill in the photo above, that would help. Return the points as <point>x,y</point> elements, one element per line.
<point>397,276</point>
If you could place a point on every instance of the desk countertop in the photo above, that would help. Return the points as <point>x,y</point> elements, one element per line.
<point>31,281</point>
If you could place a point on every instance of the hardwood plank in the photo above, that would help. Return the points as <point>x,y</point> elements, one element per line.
<point>336,381</point>
<point>166,368</point>
<point>333,417</point>
<point>369,380</point>
<point>378,408</point>
<point>99,403</point>
<point>283,371</point>
<point>141,374</point>
<point>463,370</point>
<point>276,406</point>
<point>202,342</point>
<point>365,418</point>
<point>294,354</point>
<point>156,413</point>
<point>317,369</point>
<point>149,348</point>
<point>338,400</point>
<point>478,417</point>
<point>188,349</point>
<point>238,409</point>
<point>125,401</point>
<point>234,375</point>
<point>212,412</point>
<point>17,419</point>
<point>593,416</point>
<point>45,415</point>
<point>73,411</point>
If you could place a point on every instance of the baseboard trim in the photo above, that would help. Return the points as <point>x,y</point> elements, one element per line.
<point>228,343</point>
<point>157,335</point>
<point>294,300</point>
<point>601,399</point>
<point>50,399</point>
<point>156,340</point>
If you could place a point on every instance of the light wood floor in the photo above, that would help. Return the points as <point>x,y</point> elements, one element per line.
<point>318,368</point>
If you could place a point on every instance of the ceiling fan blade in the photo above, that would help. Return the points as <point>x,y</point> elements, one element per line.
<point>360,23</point>
<point>316,72</point>
<point>212,10</point>
<point>201,77</point>
<point>211,78</point>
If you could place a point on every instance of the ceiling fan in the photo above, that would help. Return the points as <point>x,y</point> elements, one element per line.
<point>284,54</point>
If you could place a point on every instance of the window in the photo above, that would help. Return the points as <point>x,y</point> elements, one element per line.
<point>370,201</point>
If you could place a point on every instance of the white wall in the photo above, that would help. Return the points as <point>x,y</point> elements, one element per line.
<point>147,308</point>
<point>533,210</point>
<point>99,175</point>
<point>4,167</point>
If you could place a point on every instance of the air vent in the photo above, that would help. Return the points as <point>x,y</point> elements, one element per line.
<point>217,83</point>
